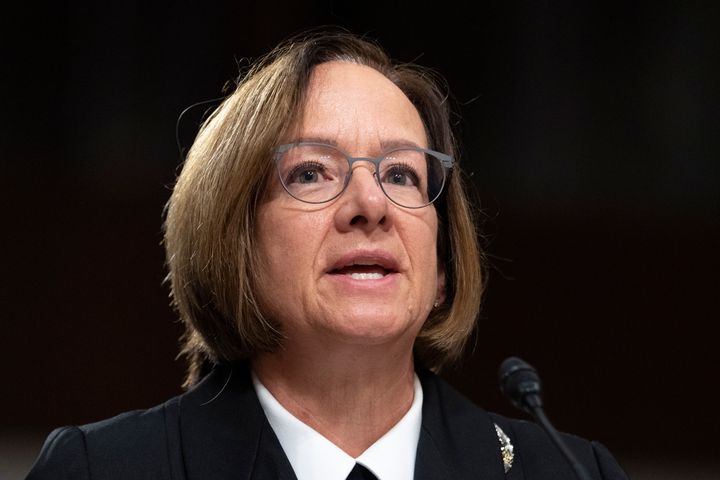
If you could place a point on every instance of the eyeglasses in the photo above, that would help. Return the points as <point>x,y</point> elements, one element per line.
<point>410,177</point>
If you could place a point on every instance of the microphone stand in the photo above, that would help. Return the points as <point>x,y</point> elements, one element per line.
<point>539,415</point>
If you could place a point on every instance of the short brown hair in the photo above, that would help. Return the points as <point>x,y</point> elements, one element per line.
<point>210,217</point>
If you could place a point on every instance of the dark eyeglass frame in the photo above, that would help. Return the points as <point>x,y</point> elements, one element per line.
<point>446,161</point>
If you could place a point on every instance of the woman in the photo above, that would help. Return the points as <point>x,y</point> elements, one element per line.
<point>322,256</point>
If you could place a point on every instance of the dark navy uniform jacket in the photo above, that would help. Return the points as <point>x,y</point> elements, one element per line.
<point>218,431</point>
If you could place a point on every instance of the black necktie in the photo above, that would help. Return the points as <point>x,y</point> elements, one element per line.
<point>360,473</point>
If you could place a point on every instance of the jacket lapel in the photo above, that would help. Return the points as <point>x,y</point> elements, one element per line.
<point>224,432</point>
<point>457,439</point>
<point>271,462</point>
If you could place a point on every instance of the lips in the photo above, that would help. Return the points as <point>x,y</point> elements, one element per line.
<point>363,265</point>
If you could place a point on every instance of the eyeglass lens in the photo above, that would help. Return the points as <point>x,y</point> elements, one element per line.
<point>318,173</point>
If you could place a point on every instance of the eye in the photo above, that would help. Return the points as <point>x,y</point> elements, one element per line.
<point>400,174</point>
<point>306,172</point>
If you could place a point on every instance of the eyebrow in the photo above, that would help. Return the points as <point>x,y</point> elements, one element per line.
<point>385,145</point>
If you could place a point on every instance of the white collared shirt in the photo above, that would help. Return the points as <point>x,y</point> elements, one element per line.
<point>314,457</point>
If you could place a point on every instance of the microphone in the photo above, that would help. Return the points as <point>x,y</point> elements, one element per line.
<point>520,383</point>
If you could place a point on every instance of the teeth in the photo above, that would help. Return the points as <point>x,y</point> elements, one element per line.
<point>366,276</point>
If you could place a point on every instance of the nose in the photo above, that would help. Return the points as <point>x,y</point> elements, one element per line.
<point>363,203</point>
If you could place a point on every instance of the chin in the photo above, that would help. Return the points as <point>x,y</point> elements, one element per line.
<point>377,329</point>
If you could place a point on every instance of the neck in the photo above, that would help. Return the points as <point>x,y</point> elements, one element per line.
<point>351,395</point>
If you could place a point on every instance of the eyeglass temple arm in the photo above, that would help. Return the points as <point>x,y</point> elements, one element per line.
<point>446,160</point>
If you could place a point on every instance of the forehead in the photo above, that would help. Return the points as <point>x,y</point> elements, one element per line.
<point>357,107</point>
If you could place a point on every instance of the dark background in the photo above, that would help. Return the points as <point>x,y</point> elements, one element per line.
<point>589,131</point>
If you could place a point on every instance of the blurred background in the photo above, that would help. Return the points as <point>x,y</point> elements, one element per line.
<point>589,131</point>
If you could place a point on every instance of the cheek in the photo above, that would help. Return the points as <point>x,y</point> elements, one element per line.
<point>288,242</point>
<point>422,247</point>
<point>275,262</point>
<point>430,237</point>
<point>274,242</point>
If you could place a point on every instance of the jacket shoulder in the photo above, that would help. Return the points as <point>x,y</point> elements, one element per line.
<point>534,452</point>
<point>134,444</point>
<point>63,456</point>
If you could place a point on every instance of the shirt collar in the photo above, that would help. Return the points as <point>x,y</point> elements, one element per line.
<point>312,456</point>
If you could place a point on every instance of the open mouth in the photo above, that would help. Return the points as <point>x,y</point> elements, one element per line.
<point>365,265</point>
<point>363,272</point>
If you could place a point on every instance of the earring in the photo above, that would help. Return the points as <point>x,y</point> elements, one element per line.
<point>436,304</point>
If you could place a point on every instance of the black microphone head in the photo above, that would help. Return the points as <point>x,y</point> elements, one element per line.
<point>520,383</point>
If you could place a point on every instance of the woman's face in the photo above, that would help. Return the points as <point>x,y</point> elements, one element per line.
<point>358,269</point>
